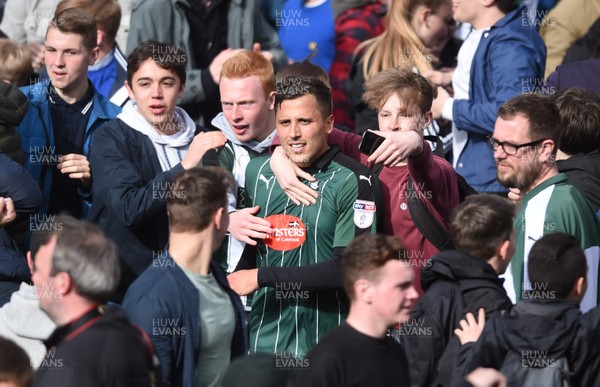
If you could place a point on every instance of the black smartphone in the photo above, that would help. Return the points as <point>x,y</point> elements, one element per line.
<point>370,142</point>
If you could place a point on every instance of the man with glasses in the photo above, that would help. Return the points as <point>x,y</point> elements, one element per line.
<point>525,141</point>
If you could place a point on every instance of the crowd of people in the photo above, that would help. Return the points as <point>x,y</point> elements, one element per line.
<point>301,193</point>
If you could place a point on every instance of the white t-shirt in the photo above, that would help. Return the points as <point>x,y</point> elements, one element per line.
<point>460,84</point>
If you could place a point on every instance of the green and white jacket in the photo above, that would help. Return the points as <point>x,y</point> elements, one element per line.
<point>554,206</point>
<point>234,157</point>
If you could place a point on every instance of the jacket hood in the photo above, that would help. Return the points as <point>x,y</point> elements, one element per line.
<point>13,104</point>
<point>341,6</point>
<point>451,265</point>
<point>541,326</point>
<point>588,163</point>
<point>185,125</point>
<point>23,316</point>
<point>257,146</point>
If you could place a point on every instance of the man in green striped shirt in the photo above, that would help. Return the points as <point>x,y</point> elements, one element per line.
<point>525,142</point>
<point>299,299</point>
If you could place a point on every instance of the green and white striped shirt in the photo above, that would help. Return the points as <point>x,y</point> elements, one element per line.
<point>285,318</point>
<point>554,206</point>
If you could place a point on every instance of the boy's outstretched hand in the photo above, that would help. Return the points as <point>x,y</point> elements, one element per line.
<point>470,329</point>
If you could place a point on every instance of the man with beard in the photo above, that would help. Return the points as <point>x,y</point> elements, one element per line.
<point>525,142</point>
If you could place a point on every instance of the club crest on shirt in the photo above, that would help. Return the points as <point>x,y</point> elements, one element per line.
<point>364,213</point>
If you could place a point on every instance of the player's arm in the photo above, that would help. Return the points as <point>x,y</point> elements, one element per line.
<point>289,175</point>
<point>320,276</point>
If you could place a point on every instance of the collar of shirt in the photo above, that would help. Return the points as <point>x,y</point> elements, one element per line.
<point>81,105</point>
<point>75,327</point>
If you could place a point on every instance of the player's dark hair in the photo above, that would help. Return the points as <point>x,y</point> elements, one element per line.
<point>294,87</point>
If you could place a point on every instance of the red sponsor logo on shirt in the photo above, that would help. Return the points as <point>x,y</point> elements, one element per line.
<point>288,232</point>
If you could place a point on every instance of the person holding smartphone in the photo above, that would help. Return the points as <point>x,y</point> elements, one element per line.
<point>403,101</point>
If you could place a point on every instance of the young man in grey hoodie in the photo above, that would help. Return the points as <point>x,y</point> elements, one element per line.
<point>247,87</point>
<point>23,321</point>
<point>135,157</point>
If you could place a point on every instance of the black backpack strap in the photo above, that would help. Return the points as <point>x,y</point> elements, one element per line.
<point>464,188</point>
<point>377,168</point>
<point>426,223</point>
<point>151,353</point>
<point>439,145</point>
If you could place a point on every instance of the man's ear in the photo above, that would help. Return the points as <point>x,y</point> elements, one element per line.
<point>63,283</point>
<point>30,262</point>
<point>271,100</point>
<point>427,118</point>
<point>579,288</point>
<point>218,219</point>
<point>548,147</point>
<point>129,91</point>
<point>94,55</point>
<point>502,250</point>
<point>329,124</point>
<point>363,291</point>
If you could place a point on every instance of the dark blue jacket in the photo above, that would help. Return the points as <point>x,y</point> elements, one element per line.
<point>37,134</point>
<point>579,74</point>
<point>164,293</point>
<point>509,60</point>
<point>129,204</point>
<point>15,183</point>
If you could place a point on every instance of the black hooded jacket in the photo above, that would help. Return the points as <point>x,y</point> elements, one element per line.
<point>13,106</point>
<point>454,283</point>
<point>557,328</point>
<point>583,171</point>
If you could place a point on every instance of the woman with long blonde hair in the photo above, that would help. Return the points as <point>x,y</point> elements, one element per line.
<point>416,32</point>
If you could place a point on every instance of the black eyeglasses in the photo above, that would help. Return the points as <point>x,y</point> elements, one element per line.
<point>508,147</point>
